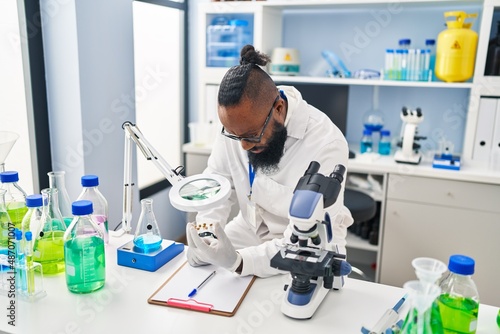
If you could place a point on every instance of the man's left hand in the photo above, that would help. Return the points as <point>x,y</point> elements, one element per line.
<point>219,252</point>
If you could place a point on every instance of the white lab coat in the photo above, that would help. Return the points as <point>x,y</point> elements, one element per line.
<point>311,137</point>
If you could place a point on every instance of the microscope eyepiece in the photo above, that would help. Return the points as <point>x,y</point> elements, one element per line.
<point>338,173</point>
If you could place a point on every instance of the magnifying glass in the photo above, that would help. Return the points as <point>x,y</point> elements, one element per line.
<point>199,192</point>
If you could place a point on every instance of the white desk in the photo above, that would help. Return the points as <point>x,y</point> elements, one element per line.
<point>121,307</point>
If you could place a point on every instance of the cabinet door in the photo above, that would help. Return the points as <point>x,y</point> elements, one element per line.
<point>423,230</point>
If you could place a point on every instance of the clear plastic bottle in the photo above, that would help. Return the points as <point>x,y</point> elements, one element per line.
<point>15,197</point>
<point>100,204</point>
<point>84,255</point>
<point>32,220</point>
<point>49,246</point>
<point>147,234</point>
<point>57,181</point>
<point>384,145</point>
<point>366,142</point>
<point>5,225</point>
<point>459,299</point>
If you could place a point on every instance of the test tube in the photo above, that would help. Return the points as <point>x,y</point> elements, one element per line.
<point>397,63</point>
<point>389,63</point>
<point>411,64</point>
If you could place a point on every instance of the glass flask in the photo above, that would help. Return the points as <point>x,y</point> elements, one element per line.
<point>32,220</point>
<point>91,193</point>
<point>48,247</point>
<point>84,256</point>
<point>15,197</point>
<point>419,317</point>
<point>147,234</point>
<point>5,223</point>
<point>57,180</point>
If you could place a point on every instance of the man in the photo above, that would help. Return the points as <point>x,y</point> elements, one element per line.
<point>269,137</point>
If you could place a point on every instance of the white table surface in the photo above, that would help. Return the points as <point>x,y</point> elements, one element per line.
<point>121,307</point>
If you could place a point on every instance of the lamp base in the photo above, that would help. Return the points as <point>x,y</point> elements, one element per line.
<point>129,256</point>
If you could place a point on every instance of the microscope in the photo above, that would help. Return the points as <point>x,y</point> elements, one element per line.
<point>409,152</point>
<point>314,269</point>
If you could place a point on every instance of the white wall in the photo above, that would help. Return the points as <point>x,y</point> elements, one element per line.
<point>89,62</point>
<point>14,111</point>
<point>90,84</point>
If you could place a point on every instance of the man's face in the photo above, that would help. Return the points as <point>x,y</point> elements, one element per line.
<point>260,129</point>
<point>269,157</point>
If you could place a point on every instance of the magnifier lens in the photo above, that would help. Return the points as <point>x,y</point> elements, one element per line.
<point>200,189</point>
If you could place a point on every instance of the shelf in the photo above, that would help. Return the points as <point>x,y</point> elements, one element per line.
<point>353,241</point>
<point>321,4</point>
<point>360,82</point>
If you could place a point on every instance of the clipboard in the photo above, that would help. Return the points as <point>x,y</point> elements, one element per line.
<point>222,295</point>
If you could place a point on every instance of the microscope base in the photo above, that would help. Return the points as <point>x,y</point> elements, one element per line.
<point>305,311</point>
<point>413,158</point>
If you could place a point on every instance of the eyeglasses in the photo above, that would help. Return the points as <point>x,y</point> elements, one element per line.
<point>255,139</point>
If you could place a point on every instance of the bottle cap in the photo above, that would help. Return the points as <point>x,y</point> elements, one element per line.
<point>90,181</point>
<point>33,201</point>
<point>430,41</point>
<point>367,132</point>
<point>82,207</point>
<point>10,176</point>
<point>28,235</point>
<point>19,234</point>
<point>461,264</point>
<point>385,132</point>
<point>405,41</point>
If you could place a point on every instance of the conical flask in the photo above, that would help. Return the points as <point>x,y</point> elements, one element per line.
<point>147,234</point>
<point>422,297</point>
<point>56,180</point>
<point>429,271</point>
<point>48,247</point>
<point>5,223</point>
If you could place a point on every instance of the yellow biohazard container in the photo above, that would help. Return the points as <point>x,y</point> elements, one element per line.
<point>456,48</point>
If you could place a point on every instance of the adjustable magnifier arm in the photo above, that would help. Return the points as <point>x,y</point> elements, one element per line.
<point>134,135</point>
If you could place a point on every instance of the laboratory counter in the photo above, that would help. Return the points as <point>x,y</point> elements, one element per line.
<point>375,163</point>
<point>121,307</point>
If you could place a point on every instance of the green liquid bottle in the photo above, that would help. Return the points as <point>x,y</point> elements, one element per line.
<point>84,255</point>
<point>498,319</point>
<point>15,203</point>
<point>459,300</point>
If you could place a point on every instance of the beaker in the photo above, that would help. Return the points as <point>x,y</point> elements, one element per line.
<point>147,234</point>
<point>56,180</point>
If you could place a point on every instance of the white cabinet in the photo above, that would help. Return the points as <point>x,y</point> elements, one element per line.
<point>427,217</point>
<point>364,238</point>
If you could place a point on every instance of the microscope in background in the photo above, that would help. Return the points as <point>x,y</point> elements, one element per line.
<point>314,269</point>
<point>409,152</point>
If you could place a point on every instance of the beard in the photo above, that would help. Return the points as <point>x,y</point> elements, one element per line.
<point>267,161</point>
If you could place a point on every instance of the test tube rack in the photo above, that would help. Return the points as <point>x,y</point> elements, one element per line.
<point>22,282</point>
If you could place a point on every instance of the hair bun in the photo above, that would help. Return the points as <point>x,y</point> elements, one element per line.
<point>249,55</point>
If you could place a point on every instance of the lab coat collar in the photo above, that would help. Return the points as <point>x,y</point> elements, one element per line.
<point>296,117</point>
